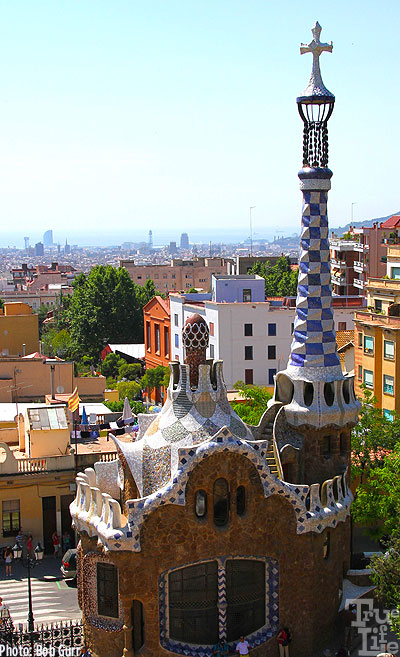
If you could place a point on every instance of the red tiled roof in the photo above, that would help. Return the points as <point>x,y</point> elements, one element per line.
<point>392,222</point>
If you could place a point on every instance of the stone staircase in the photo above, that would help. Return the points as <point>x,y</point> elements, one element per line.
<point>267,435</point>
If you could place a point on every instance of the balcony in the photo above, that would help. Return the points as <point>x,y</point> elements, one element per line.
<point>361,247</point>
<point>338,263</point>
<point>10,464</point>
<point>338,280</point>
<point>393,252</point>
<point>387,284</point>
<point>359,267</point>
<point>343,245</point>
<point>358,283</point>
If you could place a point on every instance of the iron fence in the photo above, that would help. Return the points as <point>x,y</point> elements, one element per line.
<point>53,639</point>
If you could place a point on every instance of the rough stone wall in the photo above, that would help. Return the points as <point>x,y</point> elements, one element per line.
<point>315,467</point>
<point>173,536</point>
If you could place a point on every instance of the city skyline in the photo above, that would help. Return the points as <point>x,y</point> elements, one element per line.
<point>132,117</point>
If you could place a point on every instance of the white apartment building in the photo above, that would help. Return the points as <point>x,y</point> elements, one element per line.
<point>252,338</point>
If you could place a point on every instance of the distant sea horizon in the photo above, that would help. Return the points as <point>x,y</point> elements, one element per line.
<point>117,237</point>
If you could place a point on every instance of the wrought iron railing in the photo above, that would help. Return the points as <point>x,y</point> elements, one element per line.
<point>58,636</point>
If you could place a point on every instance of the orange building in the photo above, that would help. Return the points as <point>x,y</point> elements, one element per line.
<point>157,338</point>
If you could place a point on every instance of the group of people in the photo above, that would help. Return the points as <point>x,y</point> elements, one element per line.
<point>221,648</point>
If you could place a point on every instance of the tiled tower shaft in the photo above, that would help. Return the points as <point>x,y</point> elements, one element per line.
<point>314,342</point>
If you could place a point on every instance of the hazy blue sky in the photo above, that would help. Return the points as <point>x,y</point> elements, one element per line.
<point>119,116</point>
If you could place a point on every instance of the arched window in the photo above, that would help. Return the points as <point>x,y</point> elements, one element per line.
<point>240,500</point>
<point>107,590</point>
<point>200,504</point>
<point>245,594</point>
<point>221,502</point>
<point>193,603</point>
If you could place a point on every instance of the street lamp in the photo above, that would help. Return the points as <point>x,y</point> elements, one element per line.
<point>29,562</point>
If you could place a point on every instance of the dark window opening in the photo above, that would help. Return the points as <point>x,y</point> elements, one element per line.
<point>10,517</point>
<point>240,500</point>
<point>201,504</point>
<point>245,593</point>
<point>326,546</point>
<point>329,393</point>
<point>271,329</point>
<point>271,352</point>
<point>271,374</point>
<point>248,353</point>
<point>137,625</point>
<point>248,329</point>
<point>343,444</point>
<point>346,391</point>
<point>221,502</point>
<point>246,295</point>
<point>308,393</point>
<point>326,447</point>
<point>248,377</point>
<point>107,590</point>
<point>193,603</point>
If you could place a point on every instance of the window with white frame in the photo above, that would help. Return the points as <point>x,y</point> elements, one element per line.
<point>369,378</point>
<point>388,384</point>
<point>388,349</point>
<point>368,344</point>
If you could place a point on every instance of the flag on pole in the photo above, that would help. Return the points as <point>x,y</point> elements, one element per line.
<point>73,401</point>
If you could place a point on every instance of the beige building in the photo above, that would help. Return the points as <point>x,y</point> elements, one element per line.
<point>37,470</point>
<point>179,275</point>
<point>19,330</point>
<point>31,379</point>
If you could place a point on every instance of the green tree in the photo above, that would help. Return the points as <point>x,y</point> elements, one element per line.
<point>129,389</point>
<point>106,306</point>
<point>373,436</point>
<point>118,407</point>
<point>111,365</point>
<point>256,402</point>
<point>375,464</point>
<point>386,577</point>
<point>280,279</point>
<point>155,377</point>
<point>129,371</point>
<point>377,500</point>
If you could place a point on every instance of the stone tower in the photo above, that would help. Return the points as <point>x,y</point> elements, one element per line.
<point>319,400</point>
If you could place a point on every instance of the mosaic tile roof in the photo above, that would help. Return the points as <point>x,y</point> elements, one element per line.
<point>188,417</point>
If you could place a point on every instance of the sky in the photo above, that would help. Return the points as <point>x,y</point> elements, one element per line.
<point>121,116</point>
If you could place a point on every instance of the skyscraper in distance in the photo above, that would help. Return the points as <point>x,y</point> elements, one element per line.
<point>48,238</point>
<point>184,241</point>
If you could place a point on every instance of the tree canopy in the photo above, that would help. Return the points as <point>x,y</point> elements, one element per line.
<point>106,306</point>
<point>280,279</point>
<point>375,466</point>
<point>253,408</point>
<point>155,377</point>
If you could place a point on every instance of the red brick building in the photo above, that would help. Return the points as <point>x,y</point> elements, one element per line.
<point>157,337</point>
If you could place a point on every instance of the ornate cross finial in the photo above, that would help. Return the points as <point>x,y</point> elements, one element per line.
<point>315,86</point>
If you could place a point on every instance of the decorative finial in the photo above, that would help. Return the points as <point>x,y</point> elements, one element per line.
<point>315,86</point>
<point>195,337</point>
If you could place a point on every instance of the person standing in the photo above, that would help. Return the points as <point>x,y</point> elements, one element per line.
<point>29,545</point>
<point>221,649</point>
<point>284,639</point>
<point>56,543</point>
<point>242,648</point>
<point>8,557</point>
